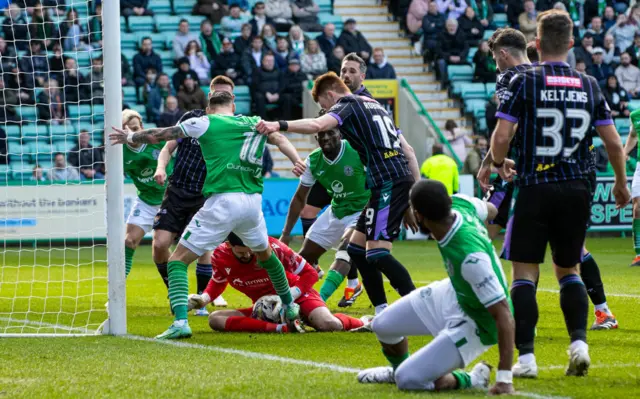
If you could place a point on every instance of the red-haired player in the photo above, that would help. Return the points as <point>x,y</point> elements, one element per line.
<point>234,264</point>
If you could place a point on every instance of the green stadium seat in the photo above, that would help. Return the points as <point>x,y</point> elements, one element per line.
<point>205,88</point>
<point>242,92</point>
<point>161,7</point>
<point>27,113</point>
<point>40,151</point>
<point>169,71</point>
<point>490,88</point>
<point>166,57</point>
<point>141,23</point>
<point>142,110</point>
<point>18,152</point>
<point>596,141</point>
<point>33,131</point>
<point>243,107</point>
<point>481,125</point>
<point>5,173</point>
<point>456,87</point>
<point>63,146</point>
<point>460,72</point>
<point>168,23</point>
<point>12,131</point>
<point>471,53</point>
<point>500,20</point>
<point>21,170</point>
<point>473,90</point>
<point>129,94</point>
<point>634,104</point>
<point>325,6</point>
<point>129,54</point>
<point>326,18</point>
<point>128,42</point>
<point>183,6</point>
<point>98,113</point>
<point>123,24</point>
<point>58,132</point>
<point>623,125</point>
<point>475,107</point>
<point>77,111</point>
<point>159,40</point>
<point>234,35</point>
<point>194,21</point>
<point>487,34</point>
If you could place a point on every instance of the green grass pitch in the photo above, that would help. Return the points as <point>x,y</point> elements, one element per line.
<point>235,365</point>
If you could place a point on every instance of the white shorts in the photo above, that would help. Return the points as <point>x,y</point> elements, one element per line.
<point>635,184</point>
<point>222,214</point>
<point>142,215</point>
<point>438,308</point>
<point>328,230</point>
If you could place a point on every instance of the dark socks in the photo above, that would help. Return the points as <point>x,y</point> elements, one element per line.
<point>590,274</point>
<point>162,269</point>
<point>371,277</point>
<point>353,272</point>
<point>306,225</point>
<point>398,276</point>
<point>575,306</point>
<point>203,275</point>
<point>523,297</point>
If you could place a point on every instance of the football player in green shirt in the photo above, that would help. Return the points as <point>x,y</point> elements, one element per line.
<point>466,313</point>
<point>632,140</point>
<point>140,161</point>
<point>337,167</point>
<point>232,150</point>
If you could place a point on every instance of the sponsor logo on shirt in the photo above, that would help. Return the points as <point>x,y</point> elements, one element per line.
<point>337,187</point>
<point>485,282</point>
<point>565,81</point>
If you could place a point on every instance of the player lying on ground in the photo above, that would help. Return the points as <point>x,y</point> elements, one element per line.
<point>631,143</point>
<point>235,264</point>
<point>466,314</point>
<point>140,161</point>
<point>352,72</point>
<point>183,197</point>
<point>232,151</point>
<point>554,107</point>
<point>509,47</point>
<point>337,167</point>
<point>391,170</point>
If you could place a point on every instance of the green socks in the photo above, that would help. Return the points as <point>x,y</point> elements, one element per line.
<point>463,378</point>
<point>128,260</point>
<point>178,288</point>
<point>276,273</point>
<point>331,284</point>
<point>636,235</point>
<point>395,361</point>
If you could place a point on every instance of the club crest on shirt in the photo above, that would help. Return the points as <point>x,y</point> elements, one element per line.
<point>155,154</point>
<point>348,171</point>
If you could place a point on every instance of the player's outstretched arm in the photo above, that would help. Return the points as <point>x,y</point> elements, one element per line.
<point>410,154</point>
<point>163,160</point>
<point>303,126</point>
<point>506,338</point>
<point>148,136</point>
<point>632,140</point>
<point>617,158</point>
<point>298,202</point>
<point>289,151</point>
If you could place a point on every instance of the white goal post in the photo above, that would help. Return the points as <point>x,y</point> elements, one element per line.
<point>61,237</point>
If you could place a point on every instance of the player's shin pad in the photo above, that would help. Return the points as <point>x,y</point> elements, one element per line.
<point>276,273</point>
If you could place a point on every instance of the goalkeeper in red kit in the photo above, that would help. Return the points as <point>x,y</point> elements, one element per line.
<point>234,264</point>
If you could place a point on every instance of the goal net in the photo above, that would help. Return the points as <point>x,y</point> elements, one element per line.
<point>53,224</point>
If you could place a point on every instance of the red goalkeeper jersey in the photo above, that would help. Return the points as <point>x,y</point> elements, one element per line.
<point>251,279</point>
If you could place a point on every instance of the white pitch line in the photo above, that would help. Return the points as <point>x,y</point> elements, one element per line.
<point>613,294</point>
<point>614,365</point>
<point>44,324</point>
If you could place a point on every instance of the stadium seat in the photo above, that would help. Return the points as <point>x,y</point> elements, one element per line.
<point>161,7</point>
<point>128,42</point>
<point>60,132</point>
<point>487,34</point>
<point>183,6</point>
<point>12,131</point>
<point>40,151</point>
<point>475,107</point>
<point>194,21</point>
<point>634,104</point>
<point>123,24</point>
<point>490,88</point>
<point>623,125</point>
<point>596,141</point>
<point>27,113</point>
<point>471,53</point>
<point>243,107</point>
<point>242,92</point>
<point>18,152</point>
<point>481,125</point>
<point>169,71</point>
<point>33,131</point>
<point>500,20</point>
<point>325,6</point>
<point>5,173</point>
<point>141,23</point>
<point>473,90</point>
<point>129,54</point>
<point>63,146</point>
<point>77,111</point>
<point>168,23</point>
<point>159,40</point>
<point>129,94</point>
<point>460,72</point>
<point>167,59</point>
<point>97,113</point>
<point>456,87</point>
<point>21,170</point>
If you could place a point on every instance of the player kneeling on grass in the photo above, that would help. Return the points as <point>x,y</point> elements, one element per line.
<point>337,167</point>
<point>235,264</point>
<point>467,313</point>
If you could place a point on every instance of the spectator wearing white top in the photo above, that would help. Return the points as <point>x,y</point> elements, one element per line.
<point>62,172</point>
<point>454,8</point>
<point>628,75</point>
<point>182,38</point>
<point>457,139</point>
<point>198,61</point>
<point>314,62</point>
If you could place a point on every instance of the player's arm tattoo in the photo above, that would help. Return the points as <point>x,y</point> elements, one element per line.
<point>157,135</point>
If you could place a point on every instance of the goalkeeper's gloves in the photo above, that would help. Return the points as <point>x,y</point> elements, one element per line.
<point>295,293</point>
<point>198,301</point>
